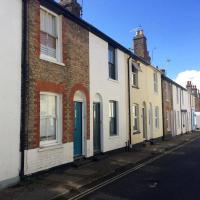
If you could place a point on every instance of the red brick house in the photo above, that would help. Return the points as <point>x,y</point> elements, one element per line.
<point>57,92</point>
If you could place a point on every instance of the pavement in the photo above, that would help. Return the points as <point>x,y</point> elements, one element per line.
<point>69,181</point>
<point>174,176</point>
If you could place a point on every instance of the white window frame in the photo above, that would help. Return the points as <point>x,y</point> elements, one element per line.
<point>157,117</point>
<point>116,116</point>
<point>136,117</point>
<point>155,81</point>
<point>177,95</point>
<point>59,57</point>
<point>59,121</point>
<point>134,74</point>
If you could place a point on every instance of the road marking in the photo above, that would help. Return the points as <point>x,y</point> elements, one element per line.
<point>111,180</point>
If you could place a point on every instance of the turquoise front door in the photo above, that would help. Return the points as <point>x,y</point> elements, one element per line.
<point>77,129</point>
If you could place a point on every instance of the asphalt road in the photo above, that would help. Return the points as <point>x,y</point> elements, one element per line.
<point>175,176</point>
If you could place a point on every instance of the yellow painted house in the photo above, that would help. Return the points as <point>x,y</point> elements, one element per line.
<point>145,95</point>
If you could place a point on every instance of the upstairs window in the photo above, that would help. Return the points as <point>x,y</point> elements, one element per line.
<point>49,35</point>
<point>134,76</point>
<point>155,81</point>
<point>177,95</point>
<point>112,63</point>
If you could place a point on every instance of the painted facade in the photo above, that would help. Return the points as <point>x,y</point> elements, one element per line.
<point>103,90</point>
<point>10,90</point>
<point>176,89</point>
<point>167,102</point>
<point>148,104</point>
<point>145,95</point>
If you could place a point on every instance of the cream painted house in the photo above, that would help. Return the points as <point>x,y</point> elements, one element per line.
<point>145,95</point>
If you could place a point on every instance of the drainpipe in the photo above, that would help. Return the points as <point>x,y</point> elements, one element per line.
<point>24,78</point>
<point>129,103</point>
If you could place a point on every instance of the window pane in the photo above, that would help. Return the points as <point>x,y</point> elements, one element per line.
<point>43,20</point>
<point>113,118</point>
<point>48,120</point>
<point>51,43</point>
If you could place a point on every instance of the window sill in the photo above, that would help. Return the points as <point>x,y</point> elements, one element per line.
<point>52,60</point>
<point>50,147</point>
<point>113,80</point>
<point>136,87</point>
<point>113,137</point>
<point>136,132</point>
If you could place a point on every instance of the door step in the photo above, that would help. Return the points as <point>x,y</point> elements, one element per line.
<point>79,161</point>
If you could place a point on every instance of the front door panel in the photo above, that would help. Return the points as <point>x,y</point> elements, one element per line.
<point>77,128</point>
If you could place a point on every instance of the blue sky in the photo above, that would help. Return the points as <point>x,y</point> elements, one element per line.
<point>172,26</point>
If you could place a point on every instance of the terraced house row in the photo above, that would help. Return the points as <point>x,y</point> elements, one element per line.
<point>68,91</point>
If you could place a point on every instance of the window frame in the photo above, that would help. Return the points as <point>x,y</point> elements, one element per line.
<point>155,81</point>
<point>136,117</point>
<point>134,73</point>
<point>59,57</point>
<point>112,65</point>
<point>115,103</point>
<point>157,117</point>
<point>59,120</point>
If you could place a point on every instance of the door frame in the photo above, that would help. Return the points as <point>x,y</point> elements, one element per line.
<point>80,97</point>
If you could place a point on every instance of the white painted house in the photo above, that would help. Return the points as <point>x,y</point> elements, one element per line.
<point>108,96</point>
<point>185,111</point>
<point>176,90</point>
<point>10,87</point>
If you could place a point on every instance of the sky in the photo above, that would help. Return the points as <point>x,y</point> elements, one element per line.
<point>172,28</point>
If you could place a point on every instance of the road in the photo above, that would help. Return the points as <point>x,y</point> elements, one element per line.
<point>175,176</point>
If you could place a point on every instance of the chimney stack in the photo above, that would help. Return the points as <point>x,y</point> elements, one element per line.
<point>140,46</point>
<point>72,6</point>
<point>189,86</point>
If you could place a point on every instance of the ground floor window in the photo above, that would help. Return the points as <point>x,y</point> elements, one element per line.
<point>50,118</point>
<point>135,118</point>
<point>113,117</point>
<point>156,117</point>
<point>178,119</point>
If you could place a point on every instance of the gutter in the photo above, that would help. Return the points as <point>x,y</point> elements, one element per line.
<point>24,79</point>
<point>129,103</point>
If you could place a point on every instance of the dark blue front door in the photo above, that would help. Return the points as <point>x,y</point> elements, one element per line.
<point>77,128</point>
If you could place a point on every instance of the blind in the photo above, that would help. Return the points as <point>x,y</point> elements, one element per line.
<point>48,33</point>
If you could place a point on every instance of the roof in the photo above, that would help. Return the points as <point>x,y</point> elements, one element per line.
<point>173,82</point>
<point>57,8</point>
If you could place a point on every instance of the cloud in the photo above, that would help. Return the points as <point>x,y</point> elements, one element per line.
<point>189,75</point>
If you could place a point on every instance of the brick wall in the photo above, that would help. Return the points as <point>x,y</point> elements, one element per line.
<point>47,76</point>
<point>167,105</point>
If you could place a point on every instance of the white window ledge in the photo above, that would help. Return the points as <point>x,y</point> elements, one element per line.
<point>50,147</point>
<point>50,59</point>
<point>113,80</point>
